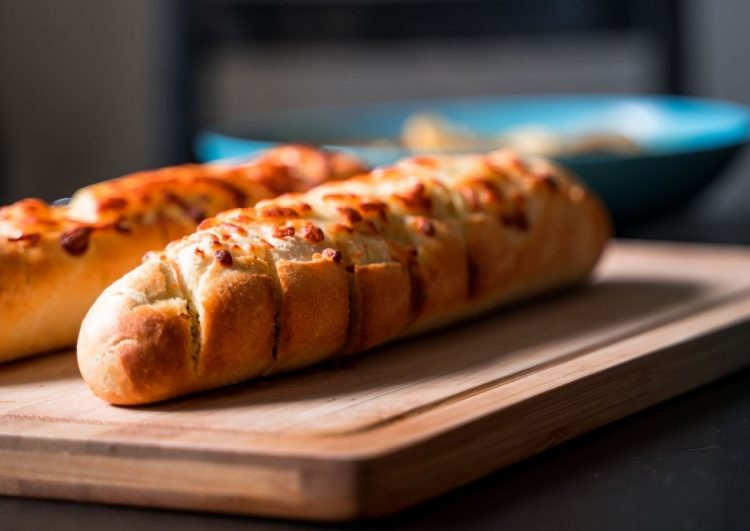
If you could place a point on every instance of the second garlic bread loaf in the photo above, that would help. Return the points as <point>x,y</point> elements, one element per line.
<point>55,260</point>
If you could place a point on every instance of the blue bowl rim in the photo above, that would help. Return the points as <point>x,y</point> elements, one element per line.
<point>220,131</point>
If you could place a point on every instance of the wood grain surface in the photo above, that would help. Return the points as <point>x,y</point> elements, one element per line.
<point>376,433</point>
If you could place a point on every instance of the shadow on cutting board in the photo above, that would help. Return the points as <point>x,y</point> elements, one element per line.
<point>519,329</point>
<point>58,366</point>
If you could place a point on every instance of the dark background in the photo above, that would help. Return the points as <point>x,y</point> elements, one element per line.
<point>93,89</point>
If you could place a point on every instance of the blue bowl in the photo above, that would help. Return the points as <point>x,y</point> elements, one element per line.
<point>685,141</point>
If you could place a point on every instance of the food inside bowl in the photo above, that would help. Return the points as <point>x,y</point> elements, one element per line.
<point>433,132</point>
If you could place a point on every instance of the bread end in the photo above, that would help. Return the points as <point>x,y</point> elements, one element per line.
<point>136,341</point>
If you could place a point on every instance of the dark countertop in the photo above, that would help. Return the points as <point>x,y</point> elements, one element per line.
<point>684,464</point>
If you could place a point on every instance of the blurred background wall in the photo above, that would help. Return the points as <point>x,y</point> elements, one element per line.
<point>90,90</point>
<point>79,93</point>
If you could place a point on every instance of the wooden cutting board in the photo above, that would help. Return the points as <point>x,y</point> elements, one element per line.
<point>391,428</point>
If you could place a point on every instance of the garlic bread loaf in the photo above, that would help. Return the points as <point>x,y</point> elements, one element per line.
<point>55,260</point>
<point>339,269</point>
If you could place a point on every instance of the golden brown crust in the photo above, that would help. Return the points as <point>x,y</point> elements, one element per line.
<point>55,260</point>
<point>221,358</point>
<point>45,291</point>
<point>314,311</point>
<point>440,272</point>
<point>382,297</point>
<point>356,263</point>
